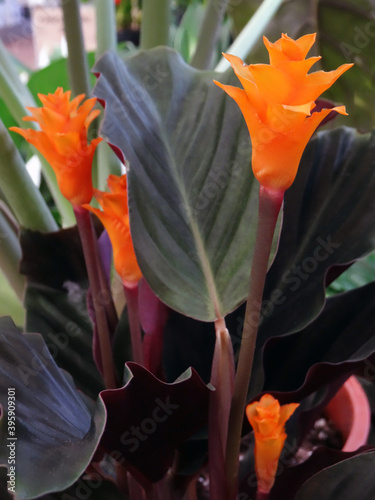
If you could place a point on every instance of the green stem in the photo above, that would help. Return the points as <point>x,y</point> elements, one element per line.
<point>155,23</point>
<point>131,295</point>
<point>209,34</point>
<point>270,202</point>
<point>105,26</point>
<point>20,192</point>
<point>7,66</point>
<point>90,251</point>
<point>252,32</point>
<point>10,255</point>
<point>107,161</point>
<point>15,104</point>
<point>77,61</point>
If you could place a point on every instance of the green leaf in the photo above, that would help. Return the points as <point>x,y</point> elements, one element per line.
<point>350,38</point>
<point>192,196</point>
<point>9,303</point>
<point>352,478</point>
<point>57,430</point>
<point>46,80</point>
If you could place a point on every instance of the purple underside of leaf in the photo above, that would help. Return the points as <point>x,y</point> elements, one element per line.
<point>57,429</point>
<point>147,420</point>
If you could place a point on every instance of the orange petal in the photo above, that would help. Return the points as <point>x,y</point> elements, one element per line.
<point>274,85</point>
<point>316,83</point>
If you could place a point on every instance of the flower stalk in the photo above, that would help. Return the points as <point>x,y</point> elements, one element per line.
<point>222,379</point>
<point>91,255</point>
<point>270,202</point>
<point>131,295</point>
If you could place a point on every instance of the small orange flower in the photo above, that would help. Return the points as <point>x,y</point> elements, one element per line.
<point>276,101</point>
<point>268,419</point>
<point>62,140</point>
<point>115,218</point>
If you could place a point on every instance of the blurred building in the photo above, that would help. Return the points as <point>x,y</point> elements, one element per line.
<point>33,32</point>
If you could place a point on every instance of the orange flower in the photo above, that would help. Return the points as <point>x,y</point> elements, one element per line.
<point>115,218</point>
<point>268,419</point>
<point>276,102</point>
<point>62,140</point>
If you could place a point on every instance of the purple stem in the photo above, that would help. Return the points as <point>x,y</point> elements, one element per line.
<point>91,255</point>
<point>131,294</point>
<point>270,202</point>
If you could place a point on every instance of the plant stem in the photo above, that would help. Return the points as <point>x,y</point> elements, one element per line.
<point>155,23</point>
<point>261,495</point>
<point>105,26</point>
<point>77,61</point>
<point>251,33</point>
<point>15,104</point>
<point>21,194</point>
<point>91,255</point>
<point>209,34</point>
<point>131,294</point>
<point>7,66</point>
<point>136,492</point>
<point>10,255</point>
<point>270,202</point>
<point>222,378</point>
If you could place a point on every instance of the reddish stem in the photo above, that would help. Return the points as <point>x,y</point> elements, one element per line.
<point>270,202</point>
<point>131,294</point>
<point>222,378</point>
<point>91,256</point>
<point>262,495</point>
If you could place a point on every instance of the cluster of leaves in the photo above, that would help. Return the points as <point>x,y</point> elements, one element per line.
<point>193,203</point>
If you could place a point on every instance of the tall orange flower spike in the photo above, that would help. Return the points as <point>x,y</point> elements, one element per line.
<point>268,418</point>
<point>276,101</point>
<point>62,141</point>
<point>115,218</point>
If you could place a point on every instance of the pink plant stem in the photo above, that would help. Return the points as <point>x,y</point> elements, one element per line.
<point>131,295</point>
<point>270,202</point>
<point>262,495</point>
<point>222,378</point>
<point>136,492</point>
<point>91,255</point>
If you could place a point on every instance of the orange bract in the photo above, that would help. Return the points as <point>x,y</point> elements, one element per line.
<point>62,140</point>
<point>268,418</point>
<point>276,101</point>
<point>115,218</point>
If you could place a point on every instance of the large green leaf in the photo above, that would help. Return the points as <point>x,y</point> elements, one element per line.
<point>192,196</point>
<point>56,430</point>
<point>352,478</point>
